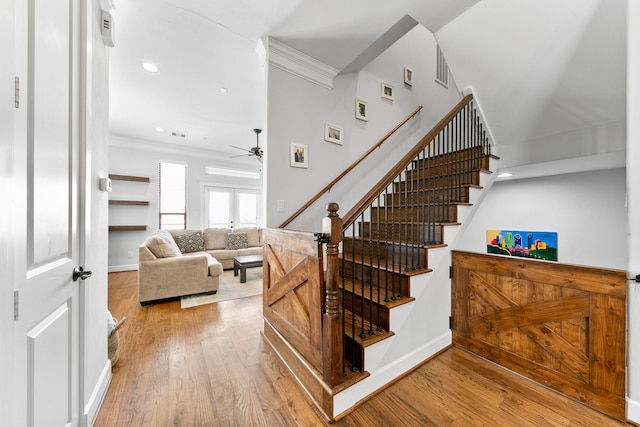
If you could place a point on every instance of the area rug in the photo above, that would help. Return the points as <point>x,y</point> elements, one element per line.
<point>230,288</point>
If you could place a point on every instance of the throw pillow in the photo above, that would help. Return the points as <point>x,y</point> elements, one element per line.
<point>189,242</point>
<point>253,235</point>
<point>235,241</point>
<point>162,245</point>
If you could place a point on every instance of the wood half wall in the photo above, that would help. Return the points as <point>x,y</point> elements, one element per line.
<point>563,326</point>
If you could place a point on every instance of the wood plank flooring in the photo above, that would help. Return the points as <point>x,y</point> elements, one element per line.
<point>209,366</point>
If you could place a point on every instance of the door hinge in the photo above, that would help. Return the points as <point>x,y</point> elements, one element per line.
<point>450,272</point>
<point>16,304</point>
<point>450,322</point>
<point>17,92</point>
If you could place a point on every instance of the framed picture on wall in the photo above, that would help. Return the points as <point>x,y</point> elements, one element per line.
<point>333,133</point>
<point>361,110</point>
<point>387,91</point>
<point>408,76</point>
<point>299,156</point>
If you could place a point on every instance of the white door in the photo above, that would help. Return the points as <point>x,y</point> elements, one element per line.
<point>231,207</point>
<point>47,214</point>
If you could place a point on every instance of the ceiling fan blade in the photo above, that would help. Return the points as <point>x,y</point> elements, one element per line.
<point>240,148</point>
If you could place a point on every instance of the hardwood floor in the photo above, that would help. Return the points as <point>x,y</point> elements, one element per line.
<point>209,366</point>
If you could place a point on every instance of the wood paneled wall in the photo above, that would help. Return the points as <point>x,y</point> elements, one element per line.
<point>561,325</point>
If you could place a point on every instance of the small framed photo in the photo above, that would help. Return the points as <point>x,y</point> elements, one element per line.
<point>408,76</point>
<point>299,156</point>
<point>333,133</point>
<point>387,91</point>
<point>362,112</point>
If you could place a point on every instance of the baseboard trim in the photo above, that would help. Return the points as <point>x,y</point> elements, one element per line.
<point>355,394</point>
<point>97,397</point>
<point>633,411</point>
<point>118,268</point>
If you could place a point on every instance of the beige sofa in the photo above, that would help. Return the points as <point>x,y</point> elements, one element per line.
<point>218,242</point>
<point>184,262</point>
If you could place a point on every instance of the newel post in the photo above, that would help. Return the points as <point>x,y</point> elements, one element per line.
<point>332,334</point>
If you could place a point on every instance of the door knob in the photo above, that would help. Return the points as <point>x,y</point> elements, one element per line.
<point>79,273</point>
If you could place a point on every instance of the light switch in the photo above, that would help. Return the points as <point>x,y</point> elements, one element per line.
<point>280,207</point>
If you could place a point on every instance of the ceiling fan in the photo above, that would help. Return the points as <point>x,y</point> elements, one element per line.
<point>253,151</point>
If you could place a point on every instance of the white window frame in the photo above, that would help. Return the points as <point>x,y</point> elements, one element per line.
<point>186,193</point>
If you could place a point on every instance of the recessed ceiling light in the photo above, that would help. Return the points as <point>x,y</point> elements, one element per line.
<point>160,129</point>
<point>223,90</point>
<point>505,175</point>
<point>152,68</point>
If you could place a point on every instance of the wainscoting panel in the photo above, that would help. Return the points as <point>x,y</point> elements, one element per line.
<point>557,324</point>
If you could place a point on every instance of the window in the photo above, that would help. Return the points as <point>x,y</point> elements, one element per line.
<point>172,183</point>
<point>442,70</point>
<point>231,207</point>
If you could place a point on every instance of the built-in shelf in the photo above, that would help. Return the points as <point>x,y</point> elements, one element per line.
<point>129,202</point>
<point>129,178</point>
<point>127,227</point>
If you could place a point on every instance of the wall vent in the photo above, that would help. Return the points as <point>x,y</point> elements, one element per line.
<point>442,70</point>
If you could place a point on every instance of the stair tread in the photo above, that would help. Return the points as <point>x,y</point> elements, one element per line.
<point>358,288</point>
<point>410,223</point>
<point>425,205</point>
<point>391,242</point>
<point>350,377</point>
<point>380,241</point>
<point>388,267</point>
<point>444,187</point>
<point>359,323</point>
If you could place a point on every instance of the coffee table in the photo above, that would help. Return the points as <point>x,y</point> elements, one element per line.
<point>243,262</point>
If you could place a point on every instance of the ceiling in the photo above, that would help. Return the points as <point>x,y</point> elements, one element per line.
<point>538,69</point>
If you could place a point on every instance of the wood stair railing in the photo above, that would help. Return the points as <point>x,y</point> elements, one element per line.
<point>387,235</point>
<point>385,240</point>
<point>349,168</point>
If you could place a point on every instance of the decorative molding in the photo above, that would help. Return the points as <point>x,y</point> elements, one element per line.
<point>160,147</point>
<point>299,64</point>
<point>381,377</point>
<point>119,268</point>
<point>92,406</point>
<point>633,410</point>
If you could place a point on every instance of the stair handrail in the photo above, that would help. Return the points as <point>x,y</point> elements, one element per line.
<point>351,216</point>
<point>349,168</point>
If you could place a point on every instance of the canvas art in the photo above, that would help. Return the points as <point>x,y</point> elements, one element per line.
<point>526,244</point>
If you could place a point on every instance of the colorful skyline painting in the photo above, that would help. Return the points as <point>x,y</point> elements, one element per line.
<point>526,244</point>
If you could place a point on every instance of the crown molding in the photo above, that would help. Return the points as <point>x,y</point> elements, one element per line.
<point>299,64</point>
<point>217,157</point>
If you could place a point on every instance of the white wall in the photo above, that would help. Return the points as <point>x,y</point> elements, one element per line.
<point>139,158</point>
<point>298,110</point>
<point>586,209</point>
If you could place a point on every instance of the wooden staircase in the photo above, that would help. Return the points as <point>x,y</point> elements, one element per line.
<point>329,297</point>
<point>393,244</point>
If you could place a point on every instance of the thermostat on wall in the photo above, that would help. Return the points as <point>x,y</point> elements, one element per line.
<point>105,184</point>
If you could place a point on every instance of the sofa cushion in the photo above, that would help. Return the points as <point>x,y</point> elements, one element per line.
<point>235,241</point>
<point>214,238</point>
<point>223,253</point>
<point>162,245</point>
<point>253,235</point>
<point>189,241</point>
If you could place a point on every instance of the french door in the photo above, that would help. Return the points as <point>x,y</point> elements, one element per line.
<point>231,207</point>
